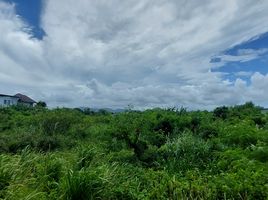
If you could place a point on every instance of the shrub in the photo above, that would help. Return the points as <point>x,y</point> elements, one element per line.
<point>221,112</point>
<point>49,143</point>
<point>208,131</point>
<point>86,183</point>
<point>5,174</point>
<point>242,134</point>
<point>59,121</point>
<point>259,152</point>
<point>85,156</point>
<point>155,154</point>
<point>186,152</point>
<point>131,128</point>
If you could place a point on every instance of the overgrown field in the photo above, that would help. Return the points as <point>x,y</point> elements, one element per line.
<point>154,154</point>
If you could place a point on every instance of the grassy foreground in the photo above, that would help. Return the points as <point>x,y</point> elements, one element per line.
<point>154,154</point>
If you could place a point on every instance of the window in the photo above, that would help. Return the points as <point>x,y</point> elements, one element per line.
<point>7,102</point>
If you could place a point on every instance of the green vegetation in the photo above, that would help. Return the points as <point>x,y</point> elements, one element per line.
<point>154,154</point>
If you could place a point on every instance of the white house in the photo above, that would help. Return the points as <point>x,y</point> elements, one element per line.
<point>9,100</point>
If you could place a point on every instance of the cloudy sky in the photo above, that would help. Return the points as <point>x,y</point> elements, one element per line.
<point>147,53</point>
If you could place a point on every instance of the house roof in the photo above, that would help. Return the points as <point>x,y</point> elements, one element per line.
<point>5,95</point>
<point>24,98</point>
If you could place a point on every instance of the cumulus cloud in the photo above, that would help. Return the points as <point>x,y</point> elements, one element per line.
<point>147,53</point>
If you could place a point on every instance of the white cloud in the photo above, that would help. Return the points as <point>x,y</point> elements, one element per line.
<point>258,90</point>
<point>256,52</point>
<point>244,74</point>
<point>242,55</point>
<point>112,53</point>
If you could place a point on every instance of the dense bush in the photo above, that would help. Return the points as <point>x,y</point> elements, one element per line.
<point>186,152</point>
<point>154,154</point>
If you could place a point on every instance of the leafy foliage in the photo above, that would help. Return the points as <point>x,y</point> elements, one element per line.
<point>154,154</point>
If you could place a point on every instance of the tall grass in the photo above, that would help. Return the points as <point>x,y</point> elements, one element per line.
<point>155,154</point>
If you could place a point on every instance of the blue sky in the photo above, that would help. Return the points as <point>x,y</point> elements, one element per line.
<point>140,52</point>
<point>30,11</point>
<point>258,64</point>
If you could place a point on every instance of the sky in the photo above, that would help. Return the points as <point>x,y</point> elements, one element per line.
<point>144,53</point>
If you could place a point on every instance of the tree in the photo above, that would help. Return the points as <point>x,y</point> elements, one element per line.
<point>41,104</point>
<point>221,112</point>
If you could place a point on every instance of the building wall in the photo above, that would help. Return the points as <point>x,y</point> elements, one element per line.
<point>8,101</point>
<point>25,104</point>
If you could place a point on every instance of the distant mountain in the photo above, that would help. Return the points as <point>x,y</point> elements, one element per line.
<point>118,110</point>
